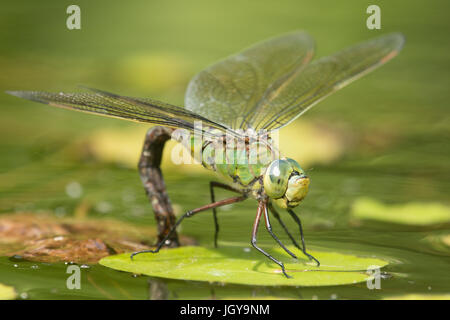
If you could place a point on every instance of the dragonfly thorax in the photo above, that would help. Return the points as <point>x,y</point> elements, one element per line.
<point>285,183</point>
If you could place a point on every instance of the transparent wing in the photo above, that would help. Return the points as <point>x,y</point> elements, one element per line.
<point>228,91</point>
<point>112,105</point>
<point>293,95</point>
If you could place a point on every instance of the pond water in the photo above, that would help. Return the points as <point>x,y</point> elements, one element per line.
<point>418,255</point>
<point>382,140</point>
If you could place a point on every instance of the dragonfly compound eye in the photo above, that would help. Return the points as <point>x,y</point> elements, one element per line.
<point>295,166</point>
<point>276,178</point>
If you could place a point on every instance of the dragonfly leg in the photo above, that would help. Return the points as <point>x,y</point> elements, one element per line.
<point>261,208</point>
<point>297,220</point>
<point>155,188</point>
<point>216,184</point>
<point>269,229</point>
<point>277,216</point>
<point>188,215</point>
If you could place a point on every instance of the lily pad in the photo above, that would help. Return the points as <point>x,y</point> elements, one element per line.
<point>7,292</point>
<point>239,266</point>
<point>439,242</point>
<point>320,144</point>
<point>412,213</point>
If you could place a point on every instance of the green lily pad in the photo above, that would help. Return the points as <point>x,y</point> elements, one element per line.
<point>413,213</point>
<point>7,292</point>
<point>244,266</point>
<point>439,242</point>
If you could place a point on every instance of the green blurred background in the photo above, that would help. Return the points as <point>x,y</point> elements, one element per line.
<point>390,129</point>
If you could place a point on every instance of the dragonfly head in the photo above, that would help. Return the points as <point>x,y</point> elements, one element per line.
<point>286,183</point>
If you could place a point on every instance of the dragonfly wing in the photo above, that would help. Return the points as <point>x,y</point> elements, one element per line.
<point>112,105</point>
<point>227,91</point>
<point>292,96</point>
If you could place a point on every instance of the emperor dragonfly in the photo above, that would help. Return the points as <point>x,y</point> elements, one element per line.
<point>262,88</point>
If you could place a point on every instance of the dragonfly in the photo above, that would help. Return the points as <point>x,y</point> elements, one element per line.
<point>258,91</point>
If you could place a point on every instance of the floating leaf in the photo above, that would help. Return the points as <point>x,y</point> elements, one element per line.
<point>439,242</point>
<point>7,292</point>
<point>235,265</point>
<point>168,71</point>
<point>413,213</point>
<point>124,147</point>
<point>41,237</point>
<point>320,144</point>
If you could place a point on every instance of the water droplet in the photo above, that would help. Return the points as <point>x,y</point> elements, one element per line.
<point>16,258</point>
<point>138,210</point>
<point>247,249</point>
<point>58,238</point>
<point>84,266</point>
<point>34,266</point>
<point>217,273</point>
<point>128,196</point>
<point>429,288</point>
<point>385,275</point>
<point>60,211</point>
<point>104,207</point>
<point>74,190</point>
<point>24,295</point>
<point>16,265</point>
<point>333,296</point>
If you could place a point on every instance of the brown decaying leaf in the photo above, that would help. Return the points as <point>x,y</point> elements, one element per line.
<point>45,238</point>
